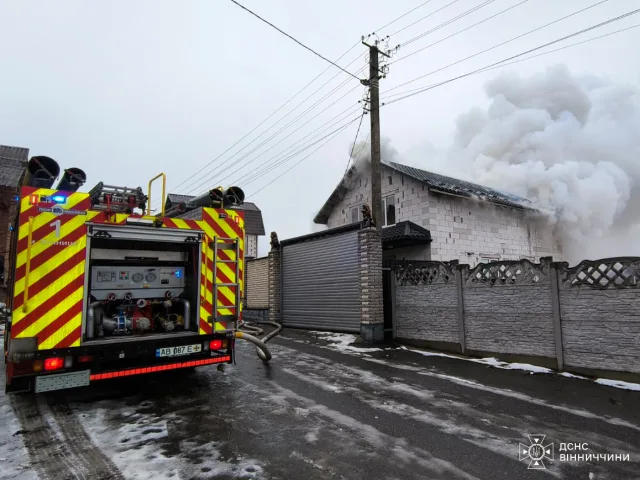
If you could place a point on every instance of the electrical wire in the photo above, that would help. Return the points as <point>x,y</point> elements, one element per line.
<point>345,113</point>
<point>210,163</point>
<point>295,40</point>
<point>284,160</point>
<point>206,179</point>
<point>444,24</point>
<point>316,133</point>
<point>355,140</point>
<point>503,63</point>
<point>424,18</point>
<point>301,160</point>
<point>458,32</point>
<point>404,15</point>
<point>498,45</point>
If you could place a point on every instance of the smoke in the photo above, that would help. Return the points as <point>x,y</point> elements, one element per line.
<point>569,144</point>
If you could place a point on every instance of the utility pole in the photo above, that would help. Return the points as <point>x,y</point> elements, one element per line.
<point>374,108</point>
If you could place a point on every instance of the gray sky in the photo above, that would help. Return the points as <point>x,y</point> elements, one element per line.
<point>125,90</point>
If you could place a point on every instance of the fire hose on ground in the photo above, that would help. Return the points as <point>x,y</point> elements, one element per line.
<point>248,332</point>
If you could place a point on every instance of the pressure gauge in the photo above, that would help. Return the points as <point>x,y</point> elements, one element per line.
<point>151,277</point>
<point>137,277</point>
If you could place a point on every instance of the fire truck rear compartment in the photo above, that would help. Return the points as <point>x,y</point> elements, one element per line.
<point>141,289</point>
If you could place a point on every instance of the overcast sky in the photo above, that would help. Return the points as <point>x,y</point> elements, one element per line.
<point>127,89</point>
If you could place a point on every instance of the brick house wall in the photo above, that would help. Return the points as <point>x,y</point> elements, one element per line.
<point>462,229</point>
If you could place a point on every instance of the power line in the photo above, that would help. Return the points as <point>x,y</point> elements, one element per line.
<point>347,112</point>
<point>498,45</point>
<point>355,140</point>
<point>460,31</point>
<point>503,63</point>
<point>444,24</point>
<point>295,40</point>
<point>424,18</point>
<point>206,179</point>
<point>302,159</point>
<point>404,15</point>
<point>210,163</point>
<point>282,161</point>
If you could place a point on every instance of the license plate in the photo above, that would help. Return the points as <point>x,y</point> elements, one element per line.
<point>178,351</point>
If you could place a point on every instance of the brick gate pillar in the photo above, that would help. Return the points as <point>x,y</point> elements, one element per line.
<point>371,301</point>
<point>275,280</point>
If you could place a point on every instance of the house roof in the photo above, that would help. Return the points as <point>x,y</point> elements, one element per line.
<point>253,222</point>
<point>435,182</point>
<point>13,163</point>
<point>406,231</point>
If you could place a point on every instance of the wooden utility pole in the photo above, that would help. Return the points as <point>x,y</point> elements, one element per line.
<point>374,110</point>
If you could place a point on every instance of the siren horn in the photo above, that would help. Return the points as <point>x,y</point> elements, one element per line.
<point>41,172</point>
<point>72,179</point>
<point>234,196</point>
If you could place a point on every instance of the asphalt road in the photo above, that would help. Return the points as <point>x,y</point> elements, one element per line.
<point>321,412</point>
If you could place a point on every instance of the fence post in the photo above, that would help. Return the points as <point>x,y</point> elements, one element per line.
<point>461,328</point>
<point>557,317</point>
<point>275,280</point>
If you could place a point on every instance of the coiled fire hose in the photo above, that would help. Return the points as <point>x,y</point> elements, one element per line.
<point>245,333</point>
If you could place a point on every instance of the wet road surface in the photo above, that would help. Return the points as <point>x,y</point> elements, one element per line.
<point>323,410</point>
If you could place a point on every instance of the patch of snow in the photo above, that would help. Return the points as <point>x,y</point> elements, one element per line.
<point>343,342</point>
<point>619,384</point>
<point>571,375</point>
<point>14,457</point>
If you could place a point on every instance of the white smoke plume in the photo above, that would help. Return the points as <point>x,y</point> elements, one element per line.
<point>570,144</point>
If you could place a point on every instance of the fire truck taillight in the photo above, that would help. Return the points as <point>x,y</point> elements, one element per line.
<point>85,358</point>
<point>215,344</point>
<point>55,363</point>
<point>37,365</point>
<point>33,200</point>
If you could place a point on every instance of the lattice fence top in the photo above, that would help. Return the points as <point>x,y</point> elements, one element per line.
<point>507,273</point>
<point>621,272</point>
<point>432,272</point>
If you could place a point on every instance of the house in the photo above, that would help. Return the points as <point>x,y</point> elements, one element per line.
<point>428,216</point>
<point>253,222</point>
<point>13,164</point>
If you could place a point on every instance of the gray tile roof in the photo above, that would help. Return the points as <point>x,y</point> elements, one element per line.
<point>406,230</point>
<point>253,222</point>
<point>460,187</point>
<point>435,182</point>
<point>13,162</point>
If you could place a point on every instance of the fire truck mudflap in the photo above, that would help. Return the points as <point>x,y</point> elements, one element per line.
<point>100,292</point>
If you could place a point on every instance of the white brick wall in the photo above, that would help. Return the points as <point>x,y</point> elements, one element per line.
<point>251,246</point>
<point>462,229</point>
<point>257,283</point>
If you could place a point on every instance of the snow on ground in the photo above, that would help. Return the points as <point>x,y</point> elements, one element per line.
<point>619,384</point>
<point>14,458</point>
<point>135,439</point>
<point>343,342</point>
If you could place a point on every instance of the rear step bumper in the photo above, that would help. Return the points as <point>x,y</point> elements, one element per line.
<point>108,360</point>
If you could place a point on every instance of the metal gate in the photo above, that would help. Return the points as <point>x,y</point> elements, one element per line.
<point>320,281</point>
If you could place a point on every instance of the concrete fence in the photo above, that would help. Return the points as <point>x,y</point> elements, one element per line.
<point>584,318</point>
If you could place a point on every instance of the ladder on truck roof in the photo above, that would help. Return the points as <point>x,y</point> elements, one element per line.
<point>232,244</point>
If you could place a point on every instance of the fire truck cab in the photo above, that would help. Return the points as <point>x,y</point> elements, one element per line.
<point>100,288</point>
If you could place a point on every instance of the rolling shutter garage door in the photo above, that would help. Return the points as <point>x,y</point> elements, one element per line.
<point>320,287</point>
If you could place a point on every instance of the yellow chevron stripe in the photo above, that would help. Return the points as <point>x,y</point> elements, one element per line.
<point>44,269</point>
<point>62,333</point>
<point>65,230</point>
<point>42,219</point>
<point>49,292</point>
<point>180,223</point>
<point>53,314</point>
